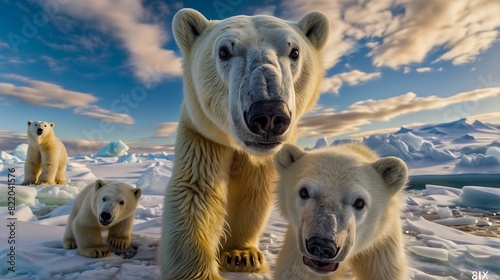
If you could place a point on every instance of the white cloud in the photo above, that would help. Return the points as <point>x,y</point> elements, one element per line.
<point>166,129</point>
<point>332,123</point>
<point>4,45</point>
<point>464,28</point>
<point>46,94</point>
<point>334,83</point>
<point>349,22</point>
<point>423,69</point>
<point>486,116</point>
<point>10,139</point>
<point>337,45</point>
<point>54,64</point>
<point>143,41</point>
<point>97,112</point>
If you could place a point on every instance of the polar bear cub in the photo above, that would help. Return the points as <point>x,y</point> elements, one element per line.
<point>343,206</point>
<point>101,206</point>
<point>46,158</point>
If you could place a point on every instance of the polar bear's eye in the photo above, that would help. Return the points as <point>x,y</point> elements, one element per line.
<point>103,199</point>
<point>359,204</point>
<point>294,54</point>
<point>122,202</point>
<point>224,53</point>
<point>304,193</point>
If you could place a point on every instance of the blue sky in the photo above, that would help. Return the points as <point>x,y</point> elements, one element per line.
<point>104,70</point>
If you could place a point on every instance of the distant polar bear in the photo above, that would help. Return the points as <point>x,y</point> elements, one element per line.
<point>101,206</point>
<point>46,158</point>
<point>343,205</point>
<point>247,81</point>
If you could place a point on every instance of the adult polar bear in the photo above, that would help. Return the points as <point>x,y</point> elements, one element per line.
<point>247,80</point>
<point>46,157</point>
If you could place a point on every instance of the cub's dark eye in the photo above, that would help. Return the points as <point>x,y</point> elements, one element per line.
<point>45,125</point>
<point>36,124</point>
<point>104,199</point>
<point>294,54</point>
<point>224,53</point>
<point>359,204</point>
<point>304,193</point>
<point>122,202</point>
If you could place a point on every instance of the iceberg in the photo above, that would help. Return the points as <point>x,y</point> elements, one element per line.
<point>24,195</point>
<point>113,149</point>
<point>480,197</point>
<point>132,158</point>
<point>322,142</point>
<point>21,151</point>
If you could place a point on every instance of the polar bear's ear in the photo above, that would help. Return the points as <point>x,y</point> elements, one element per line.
<point>187,25</point>
<point>393,170</point>
<point>316,27</point>
<point>29,123</point>
<point>288,155</point>
<point>137,192</point>
<point>52,124</point>
<point>99,184</point>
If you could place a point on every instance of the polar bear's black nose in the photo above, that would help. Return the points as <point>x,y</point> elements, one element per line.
<point>268,118</point>
<point>39,131</point>
<point>105,216</point>
<point>321,248</point>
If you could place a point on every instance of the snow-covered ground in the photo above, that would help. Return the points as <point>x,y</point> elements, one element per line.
<point>451,233</point>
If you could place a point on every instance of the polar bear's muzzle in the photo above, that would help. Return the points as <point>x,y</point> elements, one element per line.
<point>323,253</point>
<point>268,119</point>
<point>39,131</point>
<point>105,218</point>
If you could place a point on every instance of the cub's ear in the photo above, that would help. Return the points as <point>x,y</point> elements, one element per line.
<point>29,123</point>
<point>288,155</point>
<point>99,184</point>
<point>187,25</point>
<point>394,172</point>
<point>52,124</point>
<point>137,192</point>
<point>316,27</point>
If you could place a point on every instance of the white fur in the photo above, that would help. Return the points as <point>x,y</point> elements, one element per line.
<point>84,223</point>
<point>335,178</point>
<point>219,182</point>
<point>46,158</point>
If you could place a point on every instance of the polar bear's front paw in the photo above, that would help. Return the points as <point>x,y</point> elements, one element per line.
<point>95,252</point>
<point>43,183</point>
<point>119,243</point>
<point>246,260</point>
<point>69,244</point>
<point>27,182</point>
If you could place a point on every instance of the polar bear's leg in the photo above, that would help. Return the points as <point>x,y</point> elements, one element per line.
<point>119,235</point>
<point>32,167</point>
<point>61,173</point>
<point>195,206</point>
<point>49,169</point>
<point>250,198</point>
<point>69,241</point>
<point>89,241</point>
